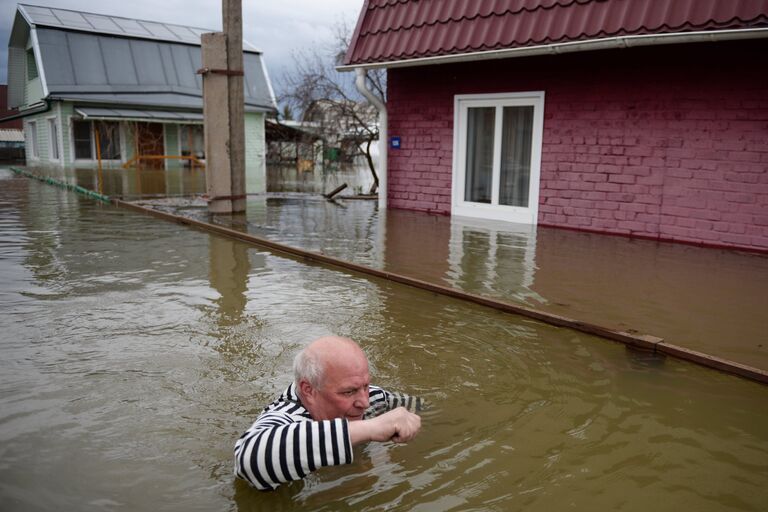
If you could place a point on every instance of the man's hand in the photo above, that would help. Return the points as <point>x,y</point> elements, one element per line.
<point>398,425</point>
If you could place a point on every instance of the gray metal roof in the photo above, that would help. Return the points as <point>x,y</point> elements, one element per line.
<point>40,16</point>
<point>105,69</point>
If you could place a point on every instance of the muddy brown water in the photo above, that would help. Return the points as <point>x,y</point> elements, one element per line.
<point>708,300</point>
<point>134,352</point>
<point>287,178</point>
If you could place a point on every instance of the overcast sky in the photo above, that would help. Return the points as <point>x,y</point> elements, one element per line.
<point>276,27</point>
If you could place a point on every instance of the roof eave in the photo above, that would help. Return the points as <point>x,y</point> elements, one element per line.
<point>571,47</point>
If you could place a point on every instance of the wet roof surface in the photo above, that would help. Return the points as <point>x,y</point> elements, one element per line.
<point>393,30</point>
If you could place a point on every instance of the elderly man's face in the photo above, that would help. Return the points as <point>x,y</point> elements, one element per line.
<point>343,392</point>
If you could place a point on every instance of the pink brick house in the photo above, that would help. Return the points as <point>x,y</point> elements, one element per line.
<point>646,118</point>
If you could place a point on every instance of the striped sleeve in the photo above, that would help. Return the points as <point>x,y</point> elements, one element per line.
<point>382,401</point>
<point>279,448</point>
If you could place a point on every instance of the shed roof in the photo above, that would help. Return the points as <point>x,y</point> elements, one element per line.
<point>41,16</point>
<point>11,135</point>
<point>396,31</point>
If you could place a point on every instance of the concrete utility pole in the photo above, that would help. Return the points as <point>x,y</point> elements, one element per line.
<point>223,111</point>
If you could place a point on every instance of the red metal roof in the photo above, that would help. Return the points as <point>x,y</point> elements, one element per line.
<point>396,30</point>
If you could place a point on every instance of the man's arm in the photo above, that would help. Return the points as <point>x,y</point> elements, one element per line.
<point>399,426</point>
<point>277,448</point>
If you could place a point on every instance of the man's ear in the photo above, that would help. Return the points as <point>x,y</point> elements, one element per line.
<point>307,391</point>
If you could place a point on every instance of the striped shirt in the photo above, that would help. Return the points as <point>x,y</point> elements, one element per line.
<point>285,443</point>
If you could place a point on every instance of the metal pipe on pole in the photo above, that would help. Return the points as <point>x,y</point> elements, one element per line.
<point>223,102</point>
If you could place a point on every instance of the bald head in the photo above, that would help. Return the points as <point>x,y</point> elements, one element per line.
<point>327,352</point>
<point>332,380</point>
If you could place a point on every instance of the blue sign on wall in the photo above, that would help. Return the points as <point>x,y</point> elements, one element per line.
<point>394,142</point>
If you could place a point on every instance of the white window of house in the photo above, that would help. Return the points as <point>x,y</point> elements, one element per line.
<point>497,155</point>
<point>32,132</point>
<point>53,139</point>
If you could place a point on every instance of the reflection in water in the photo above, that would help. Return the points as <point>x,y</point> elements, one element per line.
<point>131,183</point>
<point>708,300</point>
<point>136,183</point>
<point>287,178</point>
<point>705,299</point>
<point>134,352</point>
<point>487,256</point>
<point>228,273</point>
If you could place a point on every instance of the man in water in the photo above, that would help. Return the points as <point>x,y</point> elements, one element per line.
<point>330,407</point>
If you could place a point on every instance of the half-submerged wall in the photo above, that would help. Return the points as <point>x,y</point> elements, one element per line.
<point>663,142</point>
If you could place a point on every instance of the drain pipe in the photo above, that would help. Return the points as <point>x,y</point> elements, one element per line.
<point>382,108</point>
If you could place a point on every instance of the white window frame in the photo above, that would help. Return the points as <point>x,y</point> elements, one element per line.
<point>54,147</point>
<point>494,211</point>
<point>34,149</point>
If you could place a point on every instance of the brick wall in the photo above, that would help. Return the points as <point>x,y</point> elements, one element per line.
<point>664,142</point>
<point>421,113</point>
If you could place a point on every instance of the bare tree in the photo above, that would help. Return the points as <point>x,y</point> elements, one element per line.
<point>329,99</point>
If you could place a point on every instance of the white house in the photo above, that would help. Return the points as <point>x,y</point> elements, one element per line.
<point>93,87</point>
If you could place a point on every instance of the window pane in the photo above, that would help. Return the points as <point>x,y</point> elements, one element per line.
<point>54,139</point>
<point>33,139</point>
<point>516,140</point>
<point>109,140</point>
<point>479,169</point>
<point>81,132</point>
<point>31,65</point>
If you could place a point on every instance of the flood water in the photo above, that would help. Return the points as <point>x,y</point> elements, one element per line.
<point>134,352</point>
<point>287,178</point>
<point>709,300</point>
